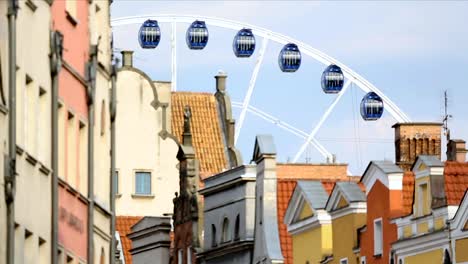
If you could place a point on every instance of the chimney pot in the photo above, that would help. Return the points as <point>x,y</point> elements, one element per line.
<point>127,58</point>
<point>221,81</point>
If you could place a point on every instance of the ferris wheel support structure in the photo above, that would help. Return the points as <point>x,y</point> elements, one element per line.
<point>349,74</point>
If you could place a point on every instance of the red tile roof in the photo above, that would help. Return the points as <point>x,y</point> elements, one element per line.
<point>407,193</point>
<point>285,190</point>
<point>456,181</point>
<point>205,128</point>
<point>288,175</point>
<point>123,225</point>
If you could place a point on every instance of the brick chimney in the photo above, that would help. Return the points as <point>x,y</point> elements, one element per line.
<point>414,139</point>
<point>456,150</point>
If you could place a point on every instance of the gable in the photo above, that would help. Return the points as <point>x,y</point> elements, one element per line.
<point>305,212</point>
<point>422,167</point>
<point>342,203</point>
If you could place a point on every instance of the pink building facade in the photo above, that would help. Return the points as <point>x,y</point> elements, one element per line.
<point>71,18</point>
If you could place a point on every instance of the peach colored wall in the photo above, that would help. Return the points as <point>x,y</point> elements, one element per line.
<point>72,92</point>
<point>73,223</point>
<point>76,53</point>
<point>76,37</point>
<point>378,206</point>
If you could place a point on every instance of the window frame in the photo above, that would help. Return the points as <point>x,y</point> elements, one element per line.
<point>380,252</point>
<point>135,193</point>
<point>422,201</point>
<point>362,260</point>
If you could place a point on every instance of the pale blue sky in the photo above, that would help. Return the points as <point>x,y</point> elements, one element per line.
<point>412,51</point>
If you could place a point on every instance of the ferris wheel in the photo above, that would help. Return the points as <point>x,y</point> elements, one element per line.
<point>335,81</point>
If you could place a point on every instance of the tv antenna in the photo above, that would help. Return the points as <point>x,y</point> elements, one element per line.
<point>447,116</point>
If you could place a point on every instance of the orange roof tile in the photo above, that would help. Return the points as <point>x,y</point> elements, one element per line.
<point>287,175</point>
<point>285,190</point>
<point>123,225</point>
<point>407,193</point>
<point>456,181</point>
<point>205,128</point>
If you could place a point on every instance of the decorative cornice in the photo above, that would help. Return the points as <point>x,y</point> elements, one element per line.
<point>228,248</point>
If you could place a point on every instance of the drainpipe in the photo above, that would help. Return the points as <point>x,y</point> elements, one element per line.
<point>92,67</point>
<point>10,170</point>
<point>56,49</point>
<point>113,113</point>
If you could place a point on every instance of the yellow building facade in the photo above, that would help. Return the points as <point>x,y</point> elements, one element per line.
<point>435,230</point>
<point>323,227</point>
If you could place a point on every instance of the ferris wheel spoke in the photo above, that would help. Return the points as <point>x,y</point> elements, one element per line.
<point>322,120</point>
<point>299,133</point>
<point>248,95</point>
<point>174,56</point>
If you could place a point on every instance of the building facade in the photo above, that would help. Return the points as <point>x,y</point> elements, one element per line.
<point>32,199</point>
<point>71,19</point>
<point>147,164</point>
<point>434,230</point>
<point>83,130</point>
<point>323,225</point>
<point>229,216</point>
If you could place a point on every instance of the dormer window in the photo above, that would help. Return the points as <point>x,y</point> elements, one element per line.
<point>423,200</point>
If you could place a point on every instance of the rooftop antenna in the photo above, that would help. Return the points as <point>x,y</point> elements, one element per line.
<point>447,116</point>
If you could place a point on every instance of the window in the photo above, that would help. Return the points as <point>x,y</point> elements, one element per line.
<point>83,160</point>
<point>363,260</point>
<point>378,237</point>
<point>225,236</point>
<point>43,114</point>
<point>423,200</point>
<point>30,113</point>
<point>71,150</point>
<point>60,256</point>
<point>28,246</point>
<point>189,255</point>
<point>344,261</point>
<point>213,236</point>
<point>236,228</point>
<point>61,140</point>
<point>143,183</point>
<point>180,255</point>
<point>43,252</point>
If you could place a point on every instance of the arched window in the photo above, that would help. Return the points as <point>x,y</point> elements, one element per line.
<point>447,259</point>
<point>236,228</point>
<point>213,236</point>
<point>225,233</point>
